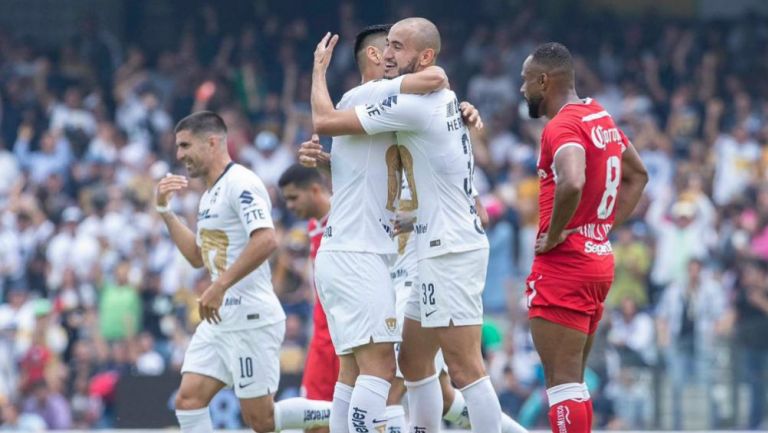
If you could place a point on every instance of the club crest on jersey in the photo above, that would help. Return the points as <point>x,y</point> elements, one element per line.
<point>391,324</point>
<point>602,137</point>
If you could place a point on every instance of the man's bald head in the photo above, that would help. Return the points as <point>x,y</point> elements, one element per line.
<point>423,33</point>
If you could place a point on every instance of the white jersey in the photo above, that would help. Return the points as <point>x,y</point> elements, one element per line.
<point>438,158</point>
<point>236,205</point>
<point>404,267</point>
<point>363,201</point>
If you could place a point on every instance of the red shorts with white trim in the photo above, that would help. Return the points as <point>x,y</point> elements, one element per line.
<point>574,304</point>
<point>321,370</point>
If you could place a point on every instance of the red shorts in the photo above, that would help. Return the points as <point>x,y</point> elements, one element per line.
<point>321,370</point>
<point>575,304</point>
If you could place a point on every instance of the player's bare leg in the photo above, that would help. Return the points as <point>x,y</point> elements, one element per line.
<point>195,394</point>
<point>416,360</point>
<point>461,349</point>
<point>587,397</point>
<point>258,413</point>
<point>562,351</point>
<point>368,403</point>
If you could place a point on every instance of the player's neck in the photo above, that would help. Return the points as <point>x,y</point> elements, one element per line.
<point>568,97</point>
<point>218,166</point>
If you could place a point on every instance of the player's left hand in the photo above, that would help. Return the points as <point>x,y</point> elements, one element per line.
<point>209,303</point>
<point>544,243</point>
<point>324,51</point>
<point>471,115</point>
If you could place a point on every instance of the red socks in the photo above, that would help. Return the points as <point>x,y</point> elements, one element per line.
<point>570,409</point>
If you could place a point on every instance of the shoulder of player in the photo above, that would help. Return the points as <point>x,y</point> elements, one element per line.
<point>242,176</point>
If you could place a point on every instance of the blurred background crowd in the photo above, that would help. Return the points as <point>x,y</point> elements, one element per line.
<point>94,292</point>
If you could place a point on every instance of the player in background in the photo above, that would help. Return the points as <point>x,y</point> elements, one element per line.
<point>306,196</point>
<point>446,311</point>
<point>352,272</point>
<point>238,342</point>
<point>591,179</point>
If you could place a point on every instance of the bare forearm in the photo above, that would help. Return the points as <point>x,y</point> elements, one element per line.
<point>567,199</point>
<point>261,245</point>
<point>320,99</point>
<point>184,239</point>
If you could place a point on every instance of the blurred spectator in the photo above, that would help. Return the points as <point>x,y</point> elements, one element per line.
<point>149,362</point>
<point>689,319</point>
<point>632,260</point>
<point>50,405</point>
<point>752,311</point>
<point>120,306</point>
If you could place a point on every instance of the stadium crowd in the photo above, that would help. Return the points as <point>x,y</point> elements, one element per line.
<point>93,289</point>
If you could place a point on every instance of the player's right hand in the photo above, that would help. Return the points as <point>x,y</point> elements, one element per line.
<point>167,186</point>
<point>324,51</point>
<point>311,153</point>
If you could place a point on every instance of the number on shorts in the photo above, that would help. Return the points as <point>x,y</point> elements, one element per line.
<point>428,294</point>
<point>612,180</point>
<point>246,367</point>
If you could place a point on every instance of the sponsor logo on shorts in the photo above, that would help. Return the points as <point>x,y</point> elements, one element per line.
<point>563,419</point>
<point>254,316</point>
<point>430,313</point>
<point>391,324</point>
<point>358,420</point>
<point>435,243</point>
<point>317,415</point>
<point>601,249</point>
<point>244,385</point>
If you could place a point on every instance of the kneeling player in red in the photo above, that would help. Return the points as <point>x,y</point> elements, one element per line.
<point>307,196</point>
<point>591,179</point>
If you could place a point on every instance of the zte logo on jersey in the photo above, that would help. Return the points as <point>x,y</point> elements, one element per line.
<point>254,215</point>
<point>603,137</point>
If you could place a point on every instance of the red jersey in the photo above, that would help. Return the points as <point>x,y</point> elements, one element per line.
<point>585,255</point>
<point>315,230</point>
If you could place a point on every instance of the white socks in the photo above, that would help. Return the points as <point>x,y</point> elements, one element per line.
<point>458,412</point>
<point>301,414</point>
<point>195,421</point>
<point>395,419</point>
<point>425,404</point>
<point>459,415</point>
<point>342,394</point>
<point>567,391</point>
<point>368,404</point>
<point>483,405</point>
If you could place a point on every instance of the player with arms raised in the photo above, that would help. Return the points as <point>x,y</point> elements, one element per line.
<point>591,179</point>
<point>238,343</point>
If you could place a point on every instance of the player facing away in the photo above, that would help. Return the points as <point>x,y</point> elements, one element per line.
<point>238,342</point>
<point>306,196</point>
<point>591,179</point>
<point>352,265</point>
<point>445,310</point>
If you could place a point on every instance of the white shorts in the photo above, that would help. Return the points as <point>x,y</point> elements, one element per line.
<point>358,297</point>
<point>248,359</point>
<point>449,290</point>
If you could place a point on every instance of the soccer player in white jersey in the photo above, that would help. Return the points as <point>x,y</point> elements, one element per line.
<point>446,311</point>
<point>352,264</point>
<point>238,342</point>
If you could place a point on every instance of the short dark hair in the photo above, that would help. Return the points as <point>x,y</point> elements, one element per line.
<point>202,122</point>
<point>300,176</point>
<point>553,55</point>
<point>362,39</point>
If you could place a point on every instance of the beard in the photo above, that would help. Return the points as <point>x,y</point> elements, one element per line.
<point>394,72</point>
<point>534,106</point>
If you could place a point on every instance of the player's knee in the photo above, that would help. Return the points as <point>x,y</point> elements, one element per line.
<point>465,371</point>
<point>189,401</point>
<point>260,423</point>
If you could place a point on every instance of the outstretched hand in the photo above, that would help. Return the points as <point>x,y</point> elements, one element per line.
<point>311,154</point>
<point>324,51</point>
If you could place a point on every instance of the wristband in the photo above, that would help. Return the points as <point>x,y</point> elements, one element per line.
<point>162,209</point>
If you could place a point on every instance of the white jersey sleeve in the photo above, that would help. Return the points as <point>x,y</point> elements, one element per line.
<point>394,114</point>
<point>248,198</point>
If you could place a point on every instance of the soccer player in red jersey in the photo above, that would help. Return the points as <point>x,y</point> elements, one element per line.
<point>591,179</point>
<point>306,195</point>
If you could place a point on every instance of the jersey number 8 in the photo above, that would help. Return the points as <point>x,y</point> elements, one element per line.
<point>612,180</point>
